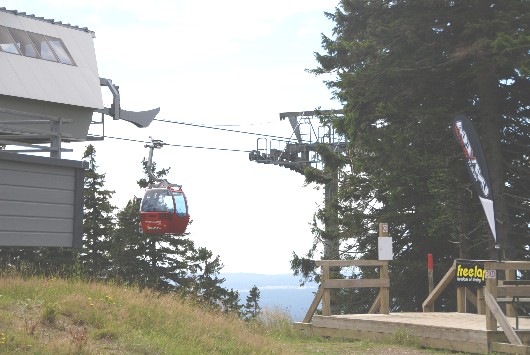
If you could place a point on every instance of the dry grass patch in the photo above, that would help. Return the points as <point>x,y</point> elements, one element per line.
<point>55,316</point>
<point>62,316</point>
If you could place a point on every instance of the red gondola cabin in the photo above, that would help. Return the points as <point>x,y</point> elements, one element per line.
<point>164,211</point>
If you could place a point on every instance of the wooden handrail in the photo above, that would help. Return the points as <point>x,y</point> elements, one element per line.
<point>354,283</point>
<point>486,299</point>
<point>346,263</point>
<point>513,291</point>
<point>496,312</point>
<point>314,305</point>
<point>507,265</point>
<point>323,294</point>
<point>497,288</point>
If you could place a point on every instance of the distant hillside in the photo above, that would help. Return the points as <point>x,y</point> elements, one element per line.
<point>280,291</point>
<point>245,281</point>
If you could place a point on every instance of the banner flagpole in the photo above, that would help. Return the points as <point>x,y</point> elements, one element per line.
<point>469,141</point>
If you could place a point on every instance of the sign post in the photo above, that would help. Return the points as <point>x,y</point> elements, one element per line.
<point>384,249</point>
<point>430,274</point>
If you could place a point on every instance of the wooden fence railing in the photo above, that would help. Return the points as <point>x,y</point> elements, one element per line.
<point>327,284</point>
<point>487,299</point>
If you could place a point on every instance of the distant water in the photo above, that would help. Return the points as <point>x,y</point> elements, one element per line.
<point>276,291</point>
<point>295,301</point>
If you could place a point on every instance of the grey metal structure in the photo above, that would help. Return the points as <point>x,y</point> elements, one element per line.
<point>17,133</point>
<point>158,182</point>
<point>300,149</point>
<point>139,119</point>
<point>41,201</point>
<point>300,152</point>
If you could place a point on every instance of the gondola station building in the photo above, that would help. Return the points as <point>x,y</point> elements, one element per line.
<point>49,91</point>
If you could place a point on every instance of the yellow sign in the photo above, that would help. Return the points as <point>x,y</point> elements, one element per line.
<point>470,273</point>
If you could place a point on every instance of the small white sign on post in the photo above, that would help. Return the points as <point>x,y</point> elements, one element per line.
<point>384,248</point>
<point>384,243</point>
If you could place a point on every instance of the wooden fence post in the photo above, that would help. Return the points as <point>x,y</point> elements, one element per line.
<point>481,304</point>
<point>326,297</point>
<point>384,292</point>
<point>510,309</point>
<point>461,300</point>
<point>491,286</point>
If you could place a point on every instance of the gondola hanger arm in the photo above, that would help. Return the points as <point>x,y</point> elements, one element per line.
<point>156,144</point>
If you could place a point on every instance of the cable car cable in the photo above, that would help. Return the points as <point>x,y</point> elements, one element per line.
<point>222,129</point>
<point>243,125</point>
<point>181,145</point>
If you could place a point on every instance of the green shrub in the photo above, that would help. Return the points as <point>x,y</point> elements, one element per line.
<point>49,313</point>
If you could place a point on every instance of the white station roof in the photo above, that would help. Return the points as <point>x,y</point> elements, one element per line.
<point>66,74</point>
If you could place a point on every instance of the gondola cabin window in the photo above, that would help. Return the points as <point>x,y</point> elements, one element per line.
<point>180,203</point>
<point>158,200</point>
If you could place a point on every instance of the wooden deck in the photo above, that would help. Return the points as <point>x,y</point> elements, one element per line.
<point>463,332</point>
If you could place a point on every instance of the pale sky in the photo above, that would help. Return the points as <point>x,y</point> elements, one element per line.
<point>213,63</point>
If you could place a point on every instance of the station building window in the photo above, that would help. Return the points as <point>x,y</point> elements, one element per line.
<point>34,45</point>
<point>42,46</point>
<point>23,43</point>
<point>6,42</point>
<point>60,50</point>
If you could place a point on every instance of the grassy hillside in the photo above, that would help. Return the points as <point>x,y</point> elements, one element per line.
<point>55,316</point>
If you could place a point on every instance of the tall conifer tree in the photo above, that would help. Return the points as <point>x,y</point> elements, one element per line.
<point>207,285</point>
<point>403,69</point>
<point>98,224</point>
<point>252,309</point>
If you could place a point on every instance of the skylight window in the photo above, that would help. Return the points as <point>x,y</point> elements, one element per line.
<point>6,42</point>
<point>34,45</point>
<point>60,50</point>
<point>23,43</point>
<point>43,47</point>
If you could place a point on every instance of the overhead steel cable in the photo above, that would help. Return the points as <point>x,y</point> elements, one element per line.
<point>222,129</point>
<point>281,139</point>
<point>181,145</point>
